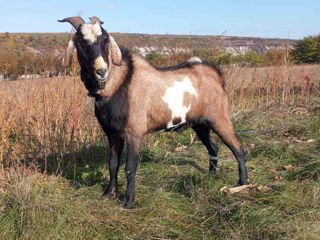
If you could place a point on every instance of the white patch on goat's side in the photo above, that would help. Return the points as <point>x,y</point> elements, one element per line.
<point>174,98</point>
<point>195,60</point>
<point>90,32</point>
<point>99,63</point>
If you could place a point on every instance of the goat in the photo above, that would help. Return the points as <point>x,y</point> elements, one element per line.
<point>133,97</point>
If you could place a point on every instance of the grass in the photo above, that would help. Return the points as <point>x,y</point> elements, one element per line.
<point>53,158</point>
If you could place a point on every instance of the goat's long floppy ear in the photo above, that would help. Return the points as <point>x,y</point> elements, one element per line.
<point>68,56</point>
<point>115,52</point>
<point>74,21</point>
<point>94,20</point>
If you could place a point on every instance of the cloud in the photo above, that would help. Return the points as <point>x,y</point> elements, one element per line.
<point>110,6</point>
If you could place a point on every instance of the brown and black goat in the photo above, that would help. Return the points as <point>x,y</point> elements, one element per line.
<point>133,98</point>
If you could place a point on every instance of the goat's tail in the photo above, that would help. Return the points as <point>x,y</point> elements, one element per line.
<point>195,60</point>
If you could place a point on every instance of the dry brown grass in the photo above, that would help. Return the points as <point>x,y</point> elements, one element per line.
<point>42,117</point>
<point>53,117</point>
<point>48,124</point>
<point>252,88</point>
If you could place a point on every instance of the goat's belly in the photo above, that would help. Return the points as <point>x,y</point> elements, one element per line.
<point>177,128</point>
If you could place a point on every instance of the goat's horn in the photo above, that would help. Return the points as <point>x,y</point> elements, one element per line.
<point>95,20</point>
<point>74,21</point>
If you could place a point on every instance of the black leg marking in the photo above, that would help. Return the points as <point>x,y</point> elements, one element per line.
<point>134,146</point>
<point>241,159</point>
<point>203,133</point>
<point>213,165</point>
<point>224,128</point>
<point>116,146</point>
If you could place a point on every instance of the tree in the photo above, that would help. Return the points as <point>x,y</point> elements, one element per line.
<point>250,59</point>
<point>277,57</point>
<point>308,50</point>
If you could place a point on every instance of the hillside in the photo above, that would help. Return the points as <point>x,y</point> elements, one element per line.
<point>145,43</point>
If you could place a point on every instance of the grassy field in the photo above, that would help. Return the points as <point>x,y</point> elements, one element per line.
<point>53,159</point>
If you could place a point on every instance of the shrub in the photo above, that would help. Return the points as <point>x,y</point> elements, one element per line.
<point>308,50</point>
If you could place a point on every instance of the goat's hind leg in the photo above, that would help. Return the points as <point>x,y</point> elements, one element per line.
<point>116,144</point>
<point>224,128</point>
<point>203,133</point>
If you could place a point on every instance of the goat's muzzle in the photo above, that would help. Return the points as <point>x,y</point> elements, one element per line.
<point>101,72</point>
<point>101,77</point>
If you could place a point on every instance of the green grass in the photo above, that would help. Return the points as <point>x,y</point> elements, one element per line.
<point>176,197</point>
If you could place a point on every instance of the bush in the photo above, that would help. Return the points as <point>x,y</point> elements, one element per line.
<point>307,50</point>
<point>250,59</point>
<point>156,58</point>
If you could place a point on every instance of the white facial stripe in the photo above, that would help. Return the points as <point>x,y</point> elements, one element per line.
<point>174,98</point>
<point>99,63</point>
<point>90,32</point>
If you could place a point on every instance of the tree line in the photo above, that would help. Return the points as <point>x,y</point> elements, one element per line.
<point>16,59</point>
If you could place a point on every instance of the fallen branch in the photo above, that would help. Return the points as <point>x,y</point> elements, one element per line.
<point>227,190</point>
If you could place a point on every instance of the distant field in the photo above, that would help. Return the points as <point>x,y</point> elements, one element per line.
<point>53,155</point>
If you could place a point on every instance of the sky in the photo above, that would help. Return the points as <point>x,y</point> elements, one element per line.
<point>293,19</point>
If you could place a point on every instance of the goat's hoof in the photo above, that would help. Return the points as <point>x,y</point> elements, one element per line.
<point>243,182</point>
<point>110,193</point>
<point>127,202</point>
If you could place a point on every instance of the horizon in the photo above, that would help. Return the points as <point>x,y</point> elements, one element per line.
<point>266,19</point>
<point>163,34</point>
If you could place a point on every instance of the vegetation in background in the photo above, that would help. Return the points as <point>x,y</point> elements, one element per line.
<point>219,57</point>
<point>41,53</point>
<point>308,50</point>
<point>23,54</point>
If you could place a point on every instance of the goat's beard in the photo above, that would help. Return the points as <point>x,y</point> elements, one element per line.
<point>93,86</point>
<point>99,91</point>
<point>101,85</point>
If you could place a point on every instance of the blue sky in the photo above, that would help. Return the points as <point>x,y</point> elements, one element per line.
<point>264,18</point>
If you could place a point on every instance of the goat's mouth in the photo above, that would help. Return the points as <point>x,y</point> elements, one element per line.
<point>101,84</point>
<point>102,79</point>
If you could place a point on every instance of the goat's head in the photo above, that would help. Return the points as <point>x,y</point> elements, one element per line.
<point>97,52</point>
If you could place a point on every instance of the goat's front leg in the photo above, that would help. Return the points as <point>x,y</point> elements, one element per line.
<point>116,146</point>
<point>134,147</point>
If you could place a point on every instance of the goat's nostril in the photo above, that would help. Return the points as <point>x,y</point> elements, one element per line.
<point>101,72</point>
